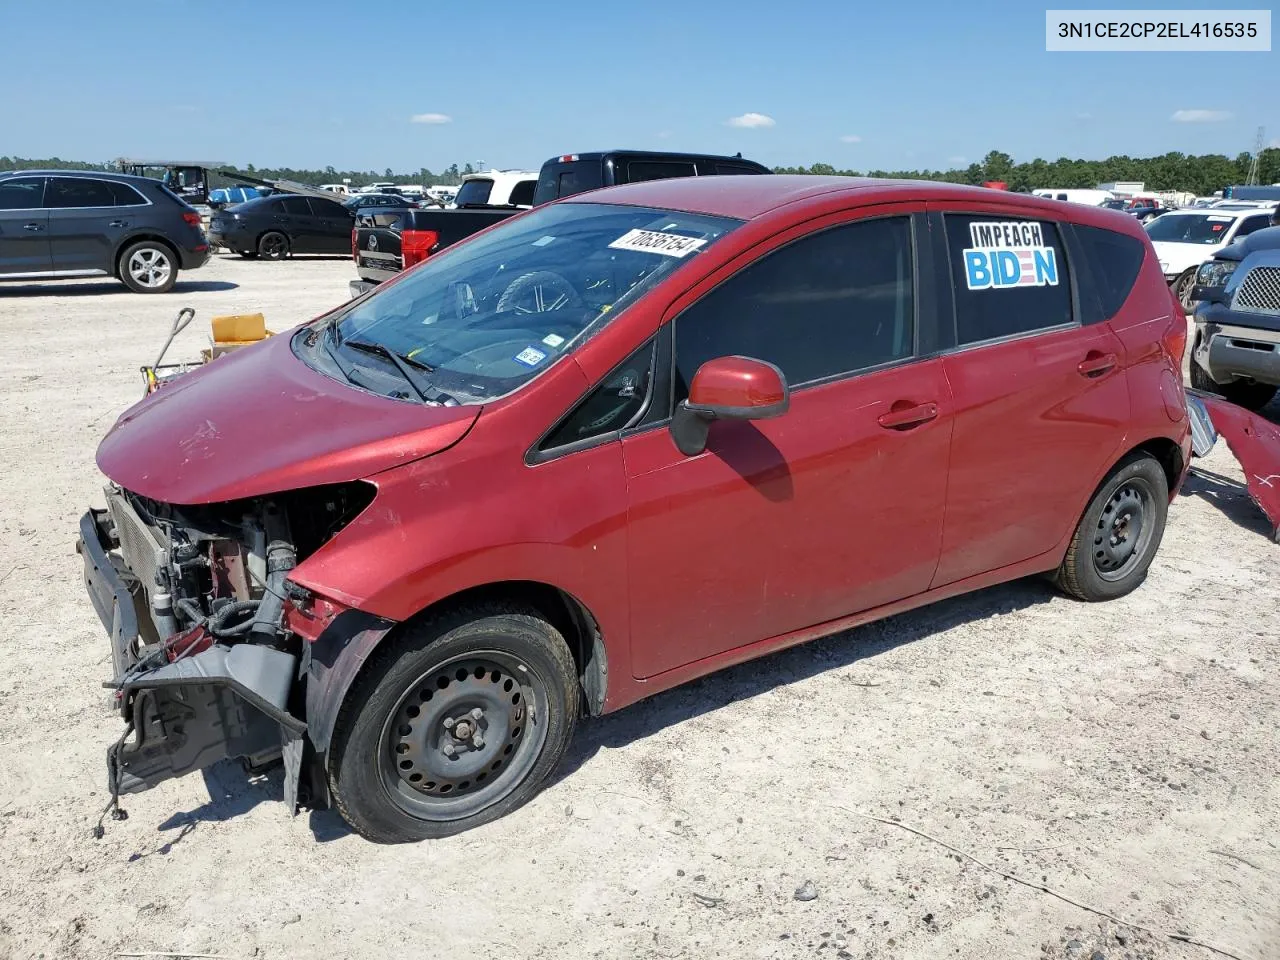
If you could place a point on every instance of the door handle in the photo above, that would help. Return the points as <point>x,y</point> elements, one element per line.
<point>908,415</point>
<point>1096,363</point>
<point>118,223</point>
<point>33,227</point>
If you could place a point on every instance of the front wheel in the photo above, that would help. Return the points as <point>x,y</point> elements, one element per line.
<point>148,267</point>
<point>1182,288</point>
<point>457,724</point>
<point>1118,536</point>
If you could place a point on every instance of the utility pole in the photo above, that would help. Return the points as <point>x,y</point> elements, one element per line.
<point>1252,179</point>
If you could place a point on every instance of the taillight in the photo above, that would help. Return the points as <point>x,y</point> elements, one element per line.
<point>1175,338</point>
<point>192,218</point>
<point>354,254</point>
<point>416,245</point>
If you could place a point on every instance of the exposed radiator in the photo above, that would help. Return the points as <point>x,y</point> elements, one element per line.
<point>139,545</point>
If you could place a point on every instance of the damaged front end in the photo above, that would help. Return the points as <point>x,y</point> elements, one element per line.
<point>1256,444</point>
<point>205,626</point>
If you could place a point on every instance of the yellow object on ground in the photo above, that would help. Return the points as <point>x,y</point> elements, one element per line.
<point>235,330</point>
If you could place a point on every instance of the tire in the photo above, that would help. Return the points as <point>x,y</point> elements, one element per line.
<point>248,254</point>
<point>1182,288</point>
<point>1107,558</point>
<point>273,245</point>
<point>148,267</point>
<point>495,684</point>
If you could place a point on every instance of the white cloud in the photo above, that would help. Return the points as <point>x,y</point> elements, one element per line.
<point>957,161</point>
<point>751,121</point>
<point>431,118</point>
<point>1199,116</point>
<point>851,138</point>
<point>664,134</point>
<point>1084,115</point>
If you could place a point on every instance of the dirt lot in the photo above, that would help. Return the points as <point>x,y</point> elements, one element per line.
<point>1123,755</point>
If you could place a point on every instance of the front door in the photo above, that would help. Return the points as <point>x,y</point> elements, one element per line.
<point>293,216</point>
<point>832,508</point>
<point>24,227</point>
<point>1041,402</point>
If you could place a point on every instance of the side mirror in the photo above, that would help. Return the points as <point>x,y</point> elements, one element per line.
<point>728,388</point>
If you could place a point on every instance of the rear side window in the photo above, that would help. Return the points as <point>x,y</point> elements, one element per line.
<point>1010,276</point>
<point>829,303</point>
<point>125,195</point>
<point>1251,224</point>
<point>1114,261</point>
<point>22,193</point>
<point>295,205</point>
<point>522,193</point>
<point>639,170</point>
<point>474,192</point>
<point>732,168</point>
<point>64,192</point>
<point>327,209</point>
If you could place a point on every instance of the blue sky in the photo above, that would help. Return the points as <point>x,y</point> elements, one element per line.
<point>858,85</point>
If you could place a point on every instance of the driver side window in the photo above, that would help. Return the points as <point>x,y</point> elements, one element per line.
<point>617,402</point>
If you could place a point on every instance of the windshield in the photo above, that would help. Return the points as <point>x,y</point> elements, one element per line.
<point>1190,228</point>
<point>480,320</point>
<point>474,193</point>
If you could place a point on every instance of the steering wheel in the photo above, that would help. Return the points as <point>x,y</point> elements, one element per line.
<point>539,291</point>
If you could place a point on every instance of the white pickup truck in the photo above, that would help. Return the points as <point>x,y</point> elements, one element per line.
<point>497,188</point>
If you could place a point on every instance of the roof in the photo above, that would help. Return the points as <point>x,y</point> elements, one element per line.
<point>656,154</point>
<point>95,174</point>
<point>750,195</point>
<point>208,164</point>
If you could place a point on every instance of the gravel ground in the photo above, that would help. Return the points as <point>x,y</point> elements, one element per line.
<point>1122,754</point>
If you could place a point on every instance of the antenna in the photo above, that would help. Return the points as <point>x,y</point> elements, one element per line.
<point>1252,179</point>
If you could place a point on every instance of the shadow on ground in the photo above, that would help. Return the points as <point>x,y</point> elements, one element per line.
<point>1229,497</point>
<point>109,287</point>
<point>793,665</point>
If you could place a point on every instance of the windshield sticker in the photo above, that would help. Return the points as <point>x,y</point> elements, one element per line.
<point>542,241</point>
<point>530,356</point>
<point>1008,254</point>
<point>651,241</point>
<point>1222,219</point>
<point>551,340</point>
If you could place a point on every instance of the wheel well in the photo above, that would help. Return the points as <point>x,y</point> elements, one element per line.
<point>154,238</point>
<point>1169,455</point>
<point>562,610</point>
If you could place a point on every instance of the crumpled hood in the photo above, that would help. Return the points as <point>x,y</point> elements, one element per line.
<point>260,421</point>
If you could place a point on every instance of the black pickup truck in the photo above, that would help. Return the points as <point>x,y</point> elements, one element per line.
<point>386,241</point>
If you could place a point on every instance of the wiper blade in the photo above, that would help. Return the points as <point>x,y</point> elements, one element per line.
<point>424,390</point>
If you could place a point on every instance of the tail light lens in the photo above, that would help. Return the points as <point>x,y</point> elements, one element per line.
<point>416,245</point>
<point>192,218</point>
<point>1175,338</point>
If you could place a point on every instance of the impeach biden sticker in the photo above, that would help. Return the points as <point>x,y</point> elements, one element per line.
<point>1009,254</point>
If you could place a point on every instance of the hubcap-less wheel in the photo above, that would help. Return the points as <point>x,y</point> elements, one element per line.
<point>464,736</point>
<point>1123,535</point>
<point>274,246</point>
<point>150,267</point>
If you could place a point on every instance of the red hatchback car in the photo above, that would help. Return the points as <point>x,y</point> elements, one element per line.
<point>613,444</point>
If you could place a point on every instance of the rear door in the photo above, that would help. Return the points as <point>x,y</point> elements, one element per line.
<point>24,227</point>
<point>832,508</point>
<point>332,225</point>
<point>293,215</point>
<point>1041,402</point>
<point>84,226</point>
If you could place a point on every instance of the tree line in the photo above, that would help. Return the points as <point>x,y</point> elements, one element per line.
<point>1201,175</point>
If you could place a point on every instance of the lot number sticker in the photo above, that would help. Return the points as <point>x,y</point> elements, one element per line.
<point>653,241</point>
<point>1008,254</point>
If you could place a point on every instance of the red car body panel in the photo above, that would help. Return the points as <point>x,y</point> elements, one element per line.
<point>260,421</point>
<point>1256,444</point>
<point>782,530</point>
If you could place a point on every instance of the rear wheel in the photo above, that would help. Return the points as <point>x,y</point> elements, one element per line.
<point>273,245</point>
<point>458,724</point>
<point>1118,536</point>
<point>148,267</point>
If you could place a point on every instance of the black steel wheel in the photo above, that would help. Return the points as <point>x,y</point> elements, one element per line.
<point>456,724</point>
<point>1117,538</point>
<point>273,245</point>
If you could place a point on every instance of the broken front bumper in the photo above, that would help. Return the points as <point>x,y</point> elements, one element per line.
<point>185,713</point>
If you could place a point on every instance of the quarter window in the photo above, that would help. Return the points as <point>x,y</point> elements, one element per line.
<point>615,404</point>
<point>65,192</point>
<point>125,195</point>
<point>827,304</point>
<point>22,193</point>
<point>296,205</point>
<point>1114,260</point>
<point>1010,276</point>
